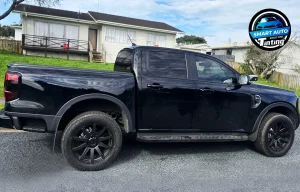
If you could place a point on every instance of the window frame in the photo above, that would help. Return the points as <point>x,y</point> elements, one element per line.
<point>195,71</point>
<point>168,51</point>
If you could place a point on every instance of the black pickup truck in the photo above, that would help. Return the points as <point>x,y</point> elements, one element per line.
<point>157,94</point>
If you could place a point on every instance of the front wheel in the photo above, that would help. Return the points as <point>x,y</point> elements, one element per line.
<point>275,135</point>
<point>91,141</point>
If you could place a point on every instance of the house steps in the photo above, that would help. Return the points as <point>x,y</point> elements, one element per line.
<point>97,57</point>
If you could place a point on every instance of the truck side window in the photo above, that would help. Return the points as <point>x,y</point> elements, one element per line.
<point>210,70</point>
<point>167,64</point>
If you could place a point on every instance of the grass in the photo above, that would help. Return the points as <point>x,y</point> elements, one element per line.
<point>8,57</point>
<point>1,106</point>
<point>270,83</point>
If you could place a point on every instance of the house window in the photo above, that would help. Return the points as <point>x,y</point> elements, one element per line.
<point>119,35</point>
<point>229,52</point>
<point>156,40</point>
<point>56,30</point>
<point>58,33</point>
<point>41,28</point>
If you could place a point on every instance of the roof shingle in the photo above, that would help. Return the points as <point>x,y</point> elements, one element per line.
<point>53,12</point>
<point>132,21</point>
<point>96,16</point>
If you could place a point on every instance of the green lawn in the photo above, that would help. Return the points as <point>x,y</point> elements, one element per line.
<point>8,57</point>
<point>1,106</point>
<point>266,82</point>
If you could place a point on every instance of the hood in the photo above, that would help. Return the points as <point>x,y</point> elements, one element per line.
<point>266,89</point>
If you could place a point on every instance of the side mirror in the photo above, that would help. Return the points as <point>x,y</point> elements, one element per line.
<point>243,80</point>
<point>231,81</point>
<point>253,77</point>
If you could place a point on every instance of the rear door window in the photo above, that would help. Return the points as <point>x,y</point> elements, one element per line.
<point>124,61</point>
<point>168,64</point>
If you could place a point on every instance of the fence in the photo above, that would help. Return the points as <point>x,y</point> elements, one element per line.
<point>10,45</point>
<point>286,80</point>
<point>225,57</point>
<point>235,65</point>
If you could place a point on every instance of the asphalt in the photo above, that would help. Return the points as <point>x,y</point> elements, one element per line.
<point>27,163</point>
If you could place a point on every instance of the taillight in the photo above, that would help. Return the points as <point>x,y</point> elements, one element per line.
<point>11,86</point>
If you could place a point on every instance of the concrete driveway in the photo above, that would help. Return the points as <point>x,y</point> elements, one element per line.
<point>28,164</point>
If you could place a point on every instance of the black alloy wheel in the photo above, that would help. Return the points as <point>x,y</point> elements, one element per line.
<point>279,136</point>
<point>92,144</point>
<point>91,141</point>
<point>275,135</point>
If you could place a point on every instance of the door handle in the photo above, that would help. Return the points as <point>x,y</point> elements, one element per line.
<point>155,86</point>
<point>207,90</point>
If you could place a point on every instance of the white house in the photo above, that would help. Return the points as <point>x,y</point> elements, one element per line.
<point>18,32</point>
<point>238,50</point>
<point>289,58</point>
<point>200,48</point>
<point>107,34</point>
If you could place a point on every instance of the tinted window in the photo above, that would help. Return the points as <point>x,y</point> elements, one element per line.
<point>167,64</point>
<point>210,70</point>
<point>124,61</point>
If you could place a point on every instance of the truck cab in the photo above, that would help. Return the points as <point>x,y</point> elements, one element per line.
<point>156,94</point>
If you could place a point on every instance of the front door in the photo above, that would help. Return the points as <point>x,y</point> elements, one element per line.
<point>93,38</point>
<point>167,94</point>
<point>217,107</point>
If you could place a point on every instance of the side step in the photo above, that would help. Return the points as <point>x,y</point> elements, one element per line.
<point>191,137</point>
<point>34,129</point>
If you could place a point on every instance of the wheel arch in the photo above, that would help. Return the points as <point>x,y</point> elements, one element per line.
<point>280,107</point>
<point>72,102</point>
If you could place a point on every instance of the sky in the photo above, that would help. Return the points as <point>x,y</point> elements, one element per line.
<point>218,21</point>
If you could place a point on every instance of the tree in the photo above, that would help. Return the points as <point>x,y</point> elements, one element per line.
<point>263,63</point>
<point>6,31</point>
<point>14,3</point>
<point>190,39</point>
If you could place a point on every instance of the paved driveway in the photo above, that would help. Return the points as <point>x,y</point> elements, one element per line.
<point>28,164</point>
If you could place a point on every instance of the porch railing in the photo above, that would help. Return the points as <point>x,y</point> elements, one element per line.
<point>54,44</point>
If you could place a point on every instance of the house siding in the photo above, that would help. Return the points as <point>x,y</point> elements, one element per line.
<point>112,49</point>
<point>239,54</point>
<point>109,49</point>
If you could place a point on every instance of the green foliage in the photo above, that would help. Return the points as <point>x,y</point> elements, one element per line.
<point>190,39</point>
<point>1,106</point>
<point>6,31</point>
<point>8,57</point>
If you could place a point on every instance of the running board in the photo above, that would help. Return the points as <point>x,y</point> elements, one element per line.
<point>191,137</point>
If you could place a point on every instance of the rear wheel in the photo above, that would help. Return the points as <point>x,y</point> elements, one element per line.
<point>91,141</point>
<point>275,135</point>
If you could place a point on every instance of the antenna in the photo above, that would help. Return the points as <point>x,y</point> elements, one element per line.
<point>133,44</point>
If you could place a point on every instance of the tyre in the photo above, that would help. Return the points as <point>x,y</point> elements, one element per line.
<point>275,135</point>
<point>91,141</point>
